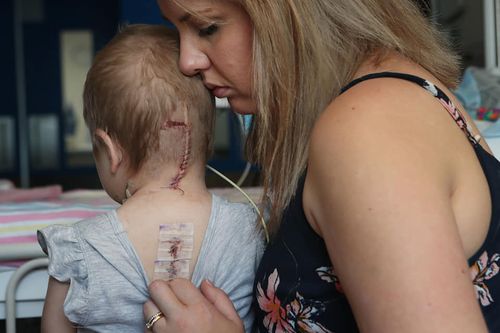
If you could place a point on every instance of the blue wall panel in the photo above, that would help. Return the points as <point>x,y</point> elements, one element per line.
<point>7,77</point>
<point>140,11</point>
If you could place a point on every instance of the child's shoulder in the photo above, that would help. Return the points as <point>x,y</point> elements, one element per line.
<point>73,233</point>
<point>100,223</point>
<point>238,221</point>
<point>223,208</point>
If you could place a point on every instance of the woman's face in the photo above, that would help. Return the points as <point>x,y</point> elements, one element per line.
<point>220,49</point>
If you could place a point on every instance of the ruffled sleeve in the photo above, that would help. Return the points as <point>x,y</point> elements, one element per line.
<point>67,264</point>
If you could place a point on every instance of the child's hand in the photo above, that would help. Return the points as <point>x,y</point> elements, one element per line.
<point>187,309</point>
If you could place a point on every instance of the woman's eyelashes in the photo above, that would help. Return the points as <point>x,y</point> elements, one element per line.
<point>208,31</point>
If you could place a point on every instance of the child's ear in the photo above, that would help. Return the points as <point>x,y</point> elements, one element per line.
<point>112,149</point>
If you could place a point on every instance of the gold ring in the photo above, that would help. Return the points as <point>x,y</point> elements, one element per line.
<point>153,319</point>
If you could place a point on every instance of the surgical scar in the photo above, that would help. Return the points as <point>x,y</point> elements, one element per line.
<point>175,251</point>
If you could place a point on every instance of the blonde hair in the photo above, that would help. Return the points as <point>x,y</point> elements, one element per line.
<point>135,86</point>
<point>304,53</point>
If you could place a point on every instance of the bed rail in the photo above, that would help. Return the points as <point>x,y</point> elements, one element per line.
<point>10,294</point>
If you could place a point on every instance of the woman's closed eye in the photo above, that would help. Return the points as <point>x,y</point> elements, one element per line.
<point>208,31</point>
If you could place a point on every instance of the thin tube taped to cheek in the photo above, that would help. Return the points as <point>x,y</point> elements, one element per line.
<point>175,251</point>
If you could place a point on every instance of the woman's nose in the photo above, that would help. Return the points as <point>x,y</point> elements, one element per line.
<point>192,60</point>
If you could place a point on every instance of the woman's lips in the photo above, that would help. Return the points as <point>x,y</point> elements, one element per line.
<point>220,92</point>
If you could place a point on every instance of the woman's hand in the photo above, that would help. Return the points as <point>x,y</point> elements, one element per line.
<point>186,308</point>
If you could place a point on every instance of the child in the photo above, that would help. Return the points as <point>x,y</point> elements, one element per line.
<point>151,128</point>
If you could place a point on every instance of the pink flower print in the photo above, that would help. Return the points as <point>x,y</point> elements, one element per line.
<point>302,315</point>
<point>480,272</point>
<point>453,111</point>
<point>459,119</point>
<point>275,320</point>
<point>327,274</point>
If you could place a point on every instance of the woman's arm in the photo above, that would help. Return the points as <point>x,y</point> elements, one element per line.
<point>53,318</point>
<point>378,190</point>
<point>188,309</point>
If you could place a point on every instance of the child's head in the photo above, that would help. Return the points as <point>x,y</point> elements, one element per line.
<point>136,94</point>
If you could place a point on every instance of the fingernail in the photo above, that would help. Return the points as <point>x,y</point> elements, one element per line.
<point>209,282</point>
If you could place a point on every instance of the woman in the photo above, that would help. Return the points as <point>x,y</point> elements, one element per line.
<point>382,192</point>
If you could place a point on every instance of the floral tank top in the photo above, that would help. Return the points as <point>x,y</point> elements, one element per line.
<point>296,289</point>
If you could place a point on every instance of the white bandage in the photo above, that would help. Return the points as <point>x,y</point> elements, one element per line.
<point>175,251</point>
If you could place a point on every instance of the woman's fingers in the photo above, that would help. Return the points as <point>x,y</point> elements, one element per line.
<point>220,300</point>
<point>164,298</point>
<point>186,292</point>
<point>186,309</point>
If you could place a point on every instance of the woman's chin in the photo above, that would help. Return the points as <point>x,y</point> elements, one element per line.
<point>241,106</point>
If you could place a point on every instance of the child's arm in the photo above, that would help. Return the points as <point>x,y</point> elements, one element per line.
<point>53,318</point>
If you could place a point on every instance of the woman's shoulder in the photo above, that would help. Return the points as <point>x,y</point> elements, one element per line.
<point>383,112</point>
<point>386,92</point>
<point>375,113</point>
<point>382,127</point>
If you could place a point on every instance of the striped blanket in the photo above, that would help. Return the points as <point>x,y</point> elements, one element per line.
<point>20,221</point>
